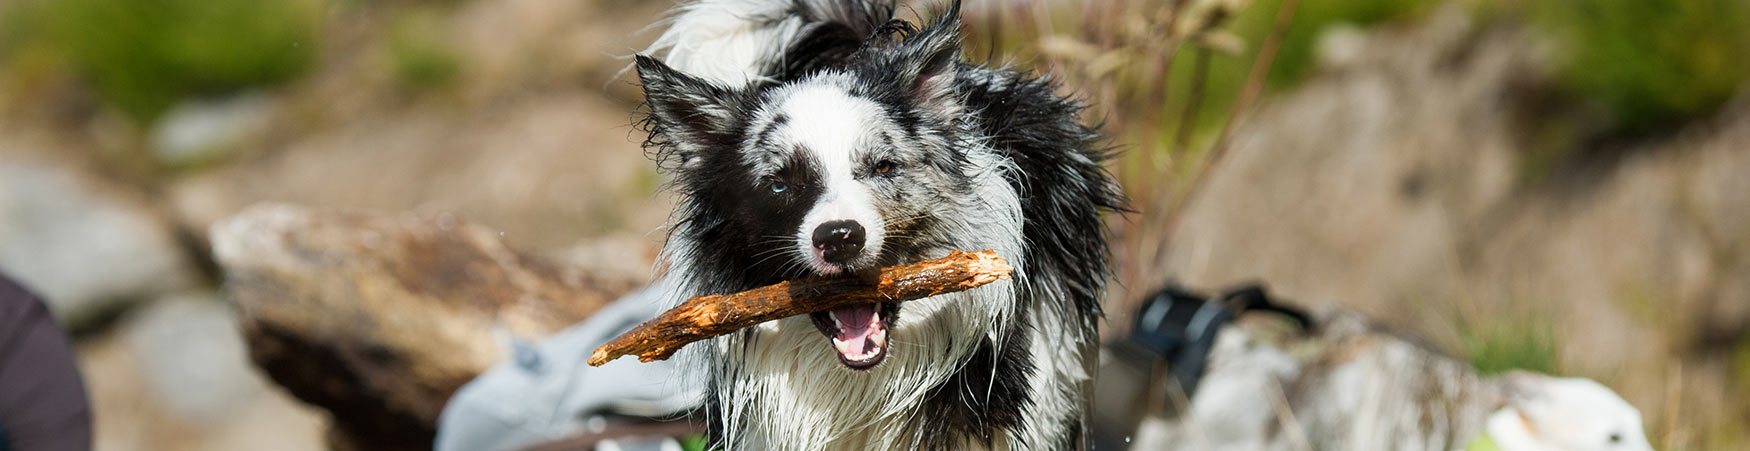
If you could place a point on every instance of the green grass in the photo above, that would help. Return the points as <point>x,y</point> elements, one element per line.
<point>1652,65</point>
<point>1649,66</point>
<point>1626,68</point>
<point>1295,61</point>
<point>1741,368</point>
<point>144,56</point>
<point>420,59</point>
<point>693,442</point>
<point>1505,344</point>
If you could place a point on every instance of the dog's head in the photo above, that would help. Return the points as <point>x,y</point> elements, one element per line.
<point>1549,413</point>
<point>836,173</point>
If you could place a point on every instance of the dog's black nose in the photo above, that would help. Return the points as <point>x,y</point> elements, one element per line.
<point>839,241</point>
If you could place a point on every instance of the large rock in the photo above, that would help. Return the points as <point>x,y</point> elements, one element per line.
<point>1358,186</point>
<point>549,171</point>
<point>87,246</point>
<point>534,139</point>
<point>379,318</point>
<point>1396,184</point>
<point>194,357</point>
<point>176,375</point>
<point>202,130</point>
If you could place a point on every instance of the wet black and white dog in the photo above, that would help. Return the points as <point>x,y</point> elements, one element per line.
<point>817,137</point>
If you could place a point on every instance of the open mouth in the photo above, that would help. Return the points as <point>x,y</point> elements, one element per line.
<point>858,332</point>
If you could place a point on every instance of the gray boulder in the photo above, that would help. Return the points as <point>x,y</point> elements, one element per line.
<point>86,246</point>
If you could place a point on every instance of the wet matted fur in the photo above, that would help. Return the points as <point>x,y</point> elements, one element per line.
<point>772,119</point>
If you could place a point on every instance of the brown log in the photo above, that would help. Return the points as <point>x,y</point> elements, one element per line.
<point>704,317</point>
<point>378,318</point>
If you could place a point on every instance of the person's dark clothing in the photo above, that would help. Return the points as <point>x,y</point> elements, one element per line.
<point>42,397</point>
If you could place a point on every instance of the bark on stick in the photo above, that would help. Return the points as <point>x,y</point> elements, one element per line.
<point>704,317</point>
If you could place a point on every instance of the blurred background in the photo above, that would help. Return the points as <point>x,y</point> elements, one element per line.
<point>1556,185</point>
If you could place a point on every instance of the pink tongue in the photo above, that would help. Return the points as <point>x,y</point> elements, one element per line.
<point>856,323</point>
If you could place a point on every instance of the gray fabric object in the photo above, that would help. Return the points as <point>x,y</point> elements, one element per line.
<point>547,392</point>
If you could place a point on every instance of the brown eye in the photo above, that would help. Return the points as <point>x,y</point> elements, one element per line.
<point>884,167</point>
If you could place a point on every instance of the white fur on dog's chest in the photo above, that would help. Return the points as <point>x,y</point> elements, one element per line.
<point>793,387</point>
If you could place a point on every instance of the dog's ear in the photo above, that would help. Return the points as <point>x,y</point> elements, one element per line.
<point>1528,394</point>
<point>689,115</point>
<point>931,60</point>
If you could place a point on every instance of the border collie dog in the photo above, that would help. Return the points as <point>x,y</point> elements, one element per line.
<point>818,137</point>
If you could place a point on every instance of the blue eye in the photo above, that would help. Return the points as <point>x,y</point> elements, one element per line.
<point>779,187</point>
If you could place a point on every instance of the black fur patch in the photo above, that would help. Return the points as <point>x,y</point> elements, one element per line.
<point>829,37</point>
<point>988,394</point>
<point>748,226</point>
<point>1064,188</point>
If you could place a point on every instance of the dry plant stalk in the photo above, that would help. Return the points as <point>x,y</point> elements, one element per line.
<point>704,317</point>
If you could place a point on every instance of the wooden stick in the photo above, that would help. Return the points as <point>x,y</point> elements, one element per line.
<point>704,317</point>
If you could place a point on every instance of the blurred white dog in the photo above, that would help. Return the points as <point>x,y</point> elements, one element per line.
<point>1545,413</point>
<point>1356,386</point>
